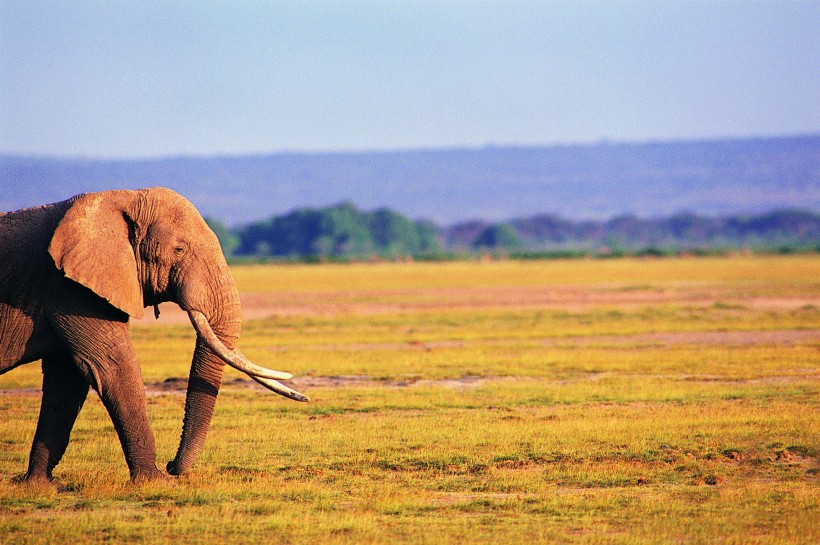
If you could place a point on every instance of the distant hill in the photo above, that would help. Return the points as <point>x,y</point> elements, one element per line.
<point>715,178</point>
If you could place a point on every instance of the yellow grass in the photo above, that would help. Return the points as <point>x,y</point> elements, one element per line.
<point>769,270</point>
<point>622,401</point>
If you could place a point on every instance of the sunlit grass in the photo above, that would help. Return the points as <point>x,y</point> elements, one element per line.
<point>758,271</point>
<point>489,424</point>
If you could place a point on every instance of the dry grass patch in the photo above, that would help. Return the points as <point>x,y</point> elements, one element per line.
<point>663,401</point>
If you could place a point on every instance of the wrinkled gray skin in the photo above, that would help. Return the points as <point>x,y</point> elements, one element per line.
<point>71,275</point>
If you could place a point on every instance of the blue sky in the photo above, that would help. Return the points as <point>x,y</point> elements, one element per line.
<point>144,79</point>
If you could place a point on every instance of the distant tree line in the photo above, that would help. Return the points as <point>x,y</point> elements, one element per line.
<point>340,231</point>
<point>783,228</point>
<point>345,232</point>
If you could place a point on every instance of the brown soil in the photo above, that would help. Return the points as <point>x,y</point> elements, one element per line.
<point>178,385</point>
<point>720,338</point>
<point>570,298</point>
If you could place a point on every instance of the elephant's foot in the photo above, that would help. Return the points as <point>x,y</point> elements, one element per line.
<point>35,478</point>
<point>148,475</point>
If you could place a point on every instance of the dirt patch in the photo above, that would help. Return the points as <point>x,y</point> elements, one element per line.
<point>21,392</point>
<point>173,384</point>
<point>570,298</point>
<point>179,385</point>
<point>719,338</point>
<point>306,383</point>
<point>455,498</point>
<point>659,340</point>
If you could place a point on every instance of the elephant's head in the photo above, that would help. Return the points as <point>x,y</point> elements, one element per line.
<point>140,248</point>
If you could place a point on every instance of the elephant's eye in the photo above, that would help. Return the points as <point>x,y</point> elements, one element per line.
<point>179,250</point>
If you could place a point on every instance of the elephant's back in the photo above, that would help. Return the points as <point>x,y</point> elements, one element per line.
<point>35,221</point>
<point>24,238</point>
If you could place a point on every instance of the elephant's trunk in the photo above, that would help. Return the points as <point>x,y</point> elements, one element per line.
<point>206,374</point>
<point>217,332</point>
<point>203,386</point>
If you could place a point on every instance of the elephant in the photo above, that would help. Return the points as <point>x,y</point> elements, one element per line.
<point>73,273</point>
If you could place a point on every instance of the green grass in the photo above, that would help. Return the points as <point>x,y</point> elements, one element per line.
<point>480,423</point>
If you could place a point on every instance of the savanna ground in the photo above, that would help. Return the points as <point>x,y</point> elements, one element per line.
<point>587,401</point>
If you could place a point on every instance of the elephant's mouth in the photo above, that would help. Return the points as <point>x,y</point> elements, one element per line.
<point>264,376</point>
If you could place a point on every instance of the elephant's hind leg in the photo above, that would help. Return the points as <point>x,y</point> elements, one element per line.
<point>64,392</point>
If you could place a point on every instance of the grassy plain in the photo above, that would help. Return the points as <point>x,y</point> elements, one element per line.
<point>586,401</point>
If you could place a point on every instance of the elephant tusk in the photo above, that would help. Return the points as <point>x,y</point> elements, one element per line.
<point>280,389</point>
<point>234,358</point>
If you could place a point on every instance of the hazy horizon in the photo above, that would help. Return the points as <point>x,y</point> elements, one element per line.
<point>420,149</point>
<point>730,176</point>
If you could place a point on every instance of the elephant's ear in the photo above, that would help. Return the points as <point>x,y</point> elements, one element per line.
<point>92,246</point>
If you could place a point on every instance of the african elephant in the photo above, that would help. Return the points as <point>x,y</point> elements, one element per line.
<point>72,273</point>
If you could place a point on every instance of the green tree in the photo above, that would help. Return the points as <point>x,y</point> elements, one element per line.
<point>227,238</point>
<point>429,240</point>
<point>393,234</point>
<point>347,229</point>
<point>338,231</point>
<point>499,236</point>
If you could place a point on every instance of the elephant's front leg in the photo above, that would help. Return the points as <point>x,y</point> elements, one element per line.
<point>123,394</point>
<point>102,350</point>
<point>64,392</point>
